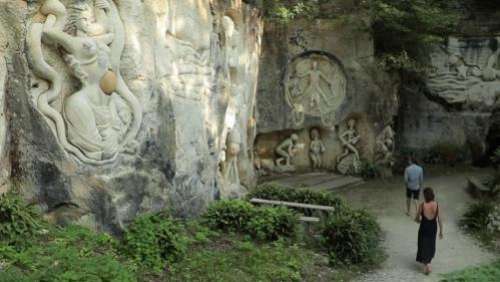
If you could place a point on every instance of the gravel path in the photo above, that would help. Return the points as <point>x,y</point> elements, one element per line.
<point>456,251</point>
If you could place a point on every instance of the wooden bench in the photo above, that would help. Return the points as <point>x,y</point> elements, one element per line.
<point>294,205</point>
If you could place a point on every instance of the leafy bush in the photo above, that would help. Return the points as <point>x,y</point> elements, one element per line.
<point>477,217</point>
<point>369,170</point>
<point>277,192</point>
<point>154,240</point>
<point>18,221</point>
<point>272,223</point>
<point>69,254</point>
<point>403,31</point>
<point>352,237</point>
<point>495,158</point>
<point>266,223</point>
<point>229,215</point>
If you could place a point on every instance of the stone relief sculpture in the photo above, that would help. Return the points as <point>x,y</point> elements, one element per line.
<point>285,152</point>
<point>316,149</point>
<point>385,147</point>
<point>184,66</point>
<point>232,187</point>
<point>231,38</point>
<point>102,118</point>
<point>3,125</point>
<point>467,73</point>
<point>349,161</point>
<point>315,85</point>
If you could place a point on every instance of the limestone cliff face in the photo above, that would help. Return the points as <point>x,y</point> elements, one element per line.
<point>315,77</point>
<point>457,105</point>
<point>112,108</point>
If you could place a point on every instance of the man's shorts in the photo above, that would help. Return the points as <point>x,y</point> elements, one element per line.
<point>415,194</point>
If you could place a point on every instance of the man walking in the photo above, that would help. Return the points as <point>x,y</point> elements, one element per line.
<point>414,180</point>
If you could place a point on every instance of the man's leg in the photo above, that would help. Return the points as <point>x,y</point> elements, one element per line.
<point>408,204</point>
<point>416,206</point>
<point>408,201</point>
<point>416,197</point>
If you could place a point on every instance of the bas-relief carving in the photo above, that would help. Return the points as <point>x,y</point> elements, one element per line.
<point>315,85</point>
<point>316,149</point>
<point>385,147</point>
<point>467,72</point>
<point>185,63</point>
<point>3,124</point>
<point>285,151</point>
<point>232,187</point>
<point>349,161</point>
<point>102,117</point>
<point>4,169</point>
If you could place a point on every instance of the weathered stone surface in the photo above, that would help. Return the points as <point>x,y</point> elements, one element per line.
<point>457,104</point>
<point>317,76</point>
<point>90,151</point>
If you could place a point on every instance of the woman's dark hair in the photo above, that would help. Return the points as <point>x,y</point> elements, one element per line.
<point>429,194</point>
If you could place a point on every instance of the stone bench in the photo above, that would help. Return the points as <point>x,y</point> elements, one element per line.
<point>295,205</point>
<point>477,188</point>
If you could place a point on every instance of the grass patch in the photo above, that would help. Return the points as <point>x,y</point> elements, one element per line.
<point>66,254</point>
<point>238,259</point>
<point>485,273</point>
<point>233,241</point>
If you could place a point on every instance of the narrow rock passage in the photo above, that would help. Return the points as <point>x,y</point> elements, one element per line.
<point>387,199</point>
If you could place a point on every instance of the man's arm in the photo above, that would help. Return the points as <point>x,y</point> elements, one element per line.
<point>406,177</point>
<point>421,179</point>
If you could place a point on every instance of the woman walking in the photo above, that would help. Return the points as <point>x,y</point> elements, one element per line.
<point>428,217</point>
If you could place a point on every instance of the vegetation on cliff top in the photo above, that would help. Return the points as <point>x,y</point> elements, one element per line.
<point>403,30</point>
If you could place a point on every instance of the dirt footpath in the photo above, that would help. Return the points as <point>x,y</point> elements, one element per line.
<point>387,199</point>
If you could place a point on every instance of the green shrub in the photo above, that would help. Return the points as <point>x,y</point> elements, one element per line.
<point>352,237</point>
<point>271,223</point>
<point>18,221</point>
<point>67,254</point>
<point>277,192</point>
<point>264,223</point>
<point>154,240</point>
<point>229,215</point>
<point>369,170</point>
<point>495,158</point>
<point>477,216</point>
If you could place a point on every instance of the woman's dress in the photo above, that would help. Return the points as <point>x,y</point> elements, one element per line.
<point>427,238</point>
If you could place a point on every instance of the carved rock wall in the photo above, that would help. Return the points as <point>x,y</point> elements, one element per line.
<point>318,75</point>
<point>128,104</point>
<point>457,105</point>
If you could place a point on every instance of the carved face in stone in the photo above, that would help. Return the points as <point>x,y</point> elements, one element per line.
<point>351,123</point>
<point>294,137</point>
<point>314,134</point>
<point>82,20</point>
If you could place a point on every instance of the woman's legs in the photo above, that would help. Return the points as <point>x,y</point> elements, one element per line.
<point>427,268</point>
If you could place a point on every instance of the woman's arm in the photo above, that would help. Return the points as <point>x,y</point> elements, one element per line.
<point>440,223</point>
<point>419,212</point>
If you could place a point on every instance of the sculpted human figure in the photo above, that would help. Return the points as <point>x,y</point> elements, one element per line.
<point>316,149</point>
<point>231,174</point>
<point>385,146</point>
<point>349,139</point>
<point>286,150</point>
<point>314,90</point>
<point>91,40</point>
